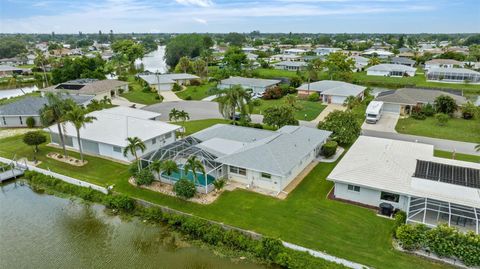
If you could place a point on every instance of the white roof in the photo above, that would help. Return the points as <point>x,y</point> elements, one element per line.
<point>333,87</point>
<point>378,52</point>
<point>221,146</point>
<point>389,165</point>
<point>167,78</point>
<point>291,63</point>
<point>250,82</point>
<point>113,126</point>
<point>453,70</point>
<point>392,67</point>
<point>374,107</point>
<point>132,112</point>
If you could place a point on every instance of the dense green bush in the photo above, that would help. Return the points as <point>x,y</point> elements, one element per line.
<point>314,97</point>
<point>30,122</point>
<point>188,98</point>
<point>442,119</point>
<point>329,148</point>
<point>428,110</point>
<point>184,188</point>
<point>144,177</point>
<point>411,237</point>
<point>418,115</point>
<point>176,87</point>
<point>469,110</point>
<point>119,202</point>
<point>133,168</point>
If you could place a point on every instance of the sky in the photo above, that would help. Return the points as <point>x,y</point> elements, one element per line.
<point>219,16</point>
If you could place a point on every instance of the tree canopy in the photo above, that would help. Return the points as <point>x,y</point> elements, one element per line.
<point>339,66</point>
<point>344,126</point>
<point>129,48</point>
<point>82,67</point>
<point>186,45</point>
<point>235,39</point>
<point>279,116</point>
<point>12,46</point>
<point>235,58</point>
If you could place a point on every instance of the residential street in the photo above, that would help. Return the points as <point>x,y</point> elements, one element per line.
<point>441,144</point>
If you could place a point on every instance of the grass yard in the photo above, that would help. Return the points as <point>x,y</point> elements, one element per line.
<point>306,217</point>
<point>137,95</point>
<point>456,129</point>
<point>458,156</point>
<point>311,109</point>
<point>198,125</point>
<point>274,73</point>
<point>195,92</point>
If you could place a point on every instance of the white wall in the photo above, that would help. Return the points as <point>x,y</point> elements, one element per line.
<point>254,89</point>
<point>367,196</point>
<point>14,121</point>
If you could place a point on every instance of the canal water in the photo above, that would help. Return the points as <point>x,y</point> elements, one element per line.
<point>9,93</point>
<point>153,61</point>
<point>43,231</point>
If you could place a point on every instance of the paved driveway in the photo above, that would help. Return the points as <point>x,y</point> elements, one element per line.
<point>329,109</point>
<point>387,123</point>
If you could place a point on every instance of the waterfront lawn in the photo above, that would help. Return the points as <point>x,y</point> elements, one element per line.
<point>311,109</point>
<point>198,125</point>
<point>458,156</point>
<point>195,92</point>
<point>137,95</point>
<point>98,171</point>
<point>274,73</point>
<point>456,129</point>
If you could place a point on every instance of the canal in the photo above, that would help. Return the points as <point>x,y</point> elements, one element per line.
<point>43,231</point>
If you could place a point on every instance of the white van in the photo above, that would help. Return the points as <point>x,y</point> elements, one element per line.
<point>374,111</point>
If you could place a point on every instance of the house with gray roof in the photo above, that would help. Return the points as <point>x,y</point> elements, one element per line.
<point>15,114</point>
<point>165,82</point>
<point>442,63</point>
<point>257,85</point>
<point>403,100</point>
<point>291,66</point>
<point>7,70</point>
<point>391,70</point>
<point>86,86</point>
<point>402,60</point>
<point>332,91</point>
<point>259,160</point>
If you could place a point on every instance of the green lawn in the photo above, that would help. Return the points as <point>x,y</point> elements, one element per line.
<point>274,73</point>
<point>195,92</point>
<point>311,109</point>
<point>458,156</point>
<point>456,129</point>
<point>306,217</point>
<point>198,125</point>
<point>137,95</point>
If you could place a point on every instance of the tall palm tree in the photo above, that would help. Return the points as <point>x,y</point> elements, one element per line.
<point>373,61</point>
<point>195,165</point>
<point>350,101</point>
<point>41,61</point>
<point>233,99</point>
<point>54,112</point>
<point>78,117</point>
<point>173,115</point>
<point>170,167</point>
<point>134,144</point>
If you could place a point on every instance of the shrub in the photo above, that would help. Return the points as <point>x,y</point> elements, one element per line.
<point>269,248</point>
<point>442,240</point>
<point>418,115</point>
<point>219,183</point>
<point>442,119</point>
<point>176,87</point>
<point>133,168</point>
<point>257,126</point>
<point>469,110</point>
<point>119,202</point>
<point>445,104</point>
<point>256,102</point>
<point>195,82</point>
<point>344,126</point>
<point>30,122</point>
<point>34,138</point>
<point>400,218</point>
<point>428,110</point>
<point>411,237</point>
<point>185,188</point>
<point>144,177</point>
<point>189,97</point>
<point>329,148</point>
<point>273,93</point>
<point>314,97</point>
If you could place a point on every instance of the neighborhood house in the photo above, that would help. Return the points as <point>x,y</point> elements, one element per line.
<point>85,86</point>
<point>291,66</point>
<point>453,75</point>
<point>165,82</point>
<point>331,91</point>
<point>257,85</point>
<point>391,70</point>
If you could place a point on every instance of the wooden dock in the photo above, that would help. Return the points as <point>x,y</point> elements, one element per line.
<point>10,174</point>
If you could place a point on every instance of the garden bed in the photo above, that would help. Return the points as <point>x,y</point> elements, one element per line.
<point>69,160</point>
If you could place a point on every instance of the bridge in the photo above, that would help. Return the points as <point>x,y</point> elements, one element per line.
<point>13,170</point>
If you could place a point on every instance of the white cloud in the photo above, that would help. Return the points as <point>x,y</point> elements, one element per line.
<point>200,3</point>
<point>202,21</point>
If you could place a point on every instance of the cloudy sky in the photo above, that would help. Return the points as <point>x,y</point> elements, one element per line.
<point>317,16</point>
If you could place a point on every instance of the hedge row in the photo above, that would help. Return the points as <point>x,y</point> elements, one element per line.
<point>444,241</point>
<point>267,250</point>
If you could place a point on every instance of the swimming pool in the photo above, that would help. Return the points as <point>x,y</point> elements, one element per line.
<point>175,176</point>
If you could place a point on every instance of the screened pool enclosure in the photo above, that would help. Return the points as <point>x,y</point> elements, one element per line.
<point>180,151</point>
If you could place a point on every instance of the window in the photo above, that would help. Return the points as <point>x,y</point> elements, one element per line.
<point>266,175</point>
<point>117,149</point>
<point>154,141</point>
<point>238,170</point>
<point>354,188</point>
<point>391,197</point>
<point>21,121</point>
<point>168,135</point>
<point>4,121</point>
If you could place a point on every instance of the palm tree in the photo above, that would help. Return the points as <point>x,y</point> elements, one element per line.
<point>195,165</point>
<point>350,101</point>
<point>173,115</point>
<point>54,112</point>
<point>291,100</point>
<point>78,117</point>
<point>156,166</point>
<point>134,144</point>
<point>477,147</point>
<point>230,100</point>
<point>373,61</point>
<point>41,61</point>
<point>170,167</point>
<point>184,116</point>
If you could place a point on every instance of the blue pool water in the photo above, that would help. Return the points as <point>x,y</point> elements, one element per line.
<point>181,174</point>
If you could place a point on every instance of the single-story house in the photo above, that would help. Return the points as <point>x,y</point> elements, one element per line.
<point>15,114</point>
<point>85,86</point>
<point>260,160</point>
<point>403,100</point>
<point>291,66</point>
<point>382,54</point>
<point>391,70</point>
<point>331,91</point>
<point>107,135</point>
<point>285,57</point>
<point>294,51</point>
<point>165,82</point>
<point>12,61</point>
<point>360,62</point>
<point>453,75</point>
<point>7,71</point>
<point>407,176</point>
<point>249,49</point>
<point>251,56</point>
<point>402,60</point>
<point>257,85</point>
<point>325,51</point>
<point>442,63</point>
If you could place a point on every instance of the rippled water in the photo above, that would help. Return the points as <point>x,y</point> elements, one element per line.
<point>43,231</point>
<point>154,61</point>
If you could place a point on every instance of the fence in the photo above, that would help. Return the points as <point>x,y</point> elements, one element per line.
<point>71,180</point>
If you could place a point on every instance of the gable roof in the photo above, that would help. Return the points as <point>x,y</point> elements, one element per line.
<point>402,60</point>
<point>166,78</point>
<point>87,86</point>
<point>250,82</point>
<point>392,67</point>
<point>412,96</point>
<point>443,61</point>
<point>30,106</point>
<point>333,87</point>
